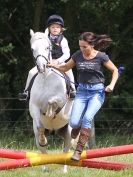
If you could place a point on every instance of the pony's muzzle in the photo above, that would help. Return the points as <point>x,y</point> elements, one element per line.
<point>41,69</point>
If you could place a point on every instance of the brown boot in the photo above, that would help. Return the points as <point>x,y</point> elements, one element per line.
<point>84,135</point>
<point>75,132</point>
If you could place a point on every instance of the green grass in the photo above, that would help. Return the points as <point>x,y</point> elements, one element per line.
<point>22,142</point>
<point>56,170</point>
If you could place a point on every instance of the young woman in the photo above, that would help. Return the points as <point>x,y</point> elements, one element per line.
<point>90,95</point>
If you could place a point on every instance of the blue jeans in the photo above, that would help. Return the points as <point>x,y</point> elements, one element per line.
<point>89,99</point>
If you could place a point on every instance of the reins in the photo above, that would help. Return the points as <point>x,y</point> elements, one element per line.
<point>65,78</point>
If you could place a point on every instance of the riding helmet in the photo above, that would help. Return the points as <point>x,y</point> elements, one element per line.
<point>55,19</point>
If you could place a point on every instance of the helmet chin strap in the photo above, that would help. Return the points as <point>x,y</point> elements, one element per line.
<point>53,36</point>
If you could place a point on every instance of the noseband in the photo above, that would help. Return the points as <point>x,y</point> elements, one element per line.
<point>47,60</point>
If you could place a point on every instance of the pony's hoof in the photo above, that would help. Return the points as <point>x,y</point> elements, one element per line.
<point>42,142</point>
<point>23,96</point>
<point>72,94</point>
<point>65,169</point>
<point>41,138</point>
<point>44,168</point>
<point>42,145</point>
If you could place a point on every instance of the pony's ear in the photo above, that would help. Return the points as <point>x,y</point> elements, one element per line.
<point>31,32</point>
<point>46,32</point>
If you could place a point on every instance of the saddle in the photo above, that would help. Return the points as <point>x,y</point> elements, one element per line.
<point>66,78</point>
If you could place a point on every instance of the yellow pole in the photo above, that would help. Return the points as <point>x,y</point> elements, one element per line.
<point>64,158</point>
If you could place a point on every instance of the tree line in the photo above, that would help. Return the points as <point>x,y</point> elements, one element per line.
<point>112,17</point>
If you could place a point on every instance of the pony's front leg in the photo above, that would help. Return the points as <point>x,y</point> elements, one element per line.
<point>41,148</point>
<point>65,132</point>
<point>39,135</point>
<point>38,126</point>
<point>68,141</point>
<point>67,145</point>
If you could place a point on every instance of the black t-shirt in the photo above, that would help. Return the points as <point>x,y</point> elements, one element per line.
<point>90,71</point>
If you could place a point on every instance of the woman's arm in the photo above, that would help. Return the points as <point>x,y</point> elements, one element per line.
<point>63,67</point>
<point>110,66</point>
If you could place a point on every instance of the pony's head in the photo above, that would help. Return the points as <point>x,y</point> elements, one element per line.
<point>41,47</point>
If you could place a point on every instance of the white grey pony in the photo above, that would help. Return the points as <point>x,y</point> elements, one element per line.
<point>49,105</point>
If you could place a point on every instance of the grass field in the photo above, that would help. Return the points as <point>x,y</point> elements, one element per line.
<point>27,144</point>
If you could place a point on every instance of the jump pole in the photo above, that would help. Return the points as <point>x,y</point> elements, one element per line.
<point>98,164</point>
<point>15,154</point>
<point>63,158</point>
<point>88,154</point>
<point>107,165</point>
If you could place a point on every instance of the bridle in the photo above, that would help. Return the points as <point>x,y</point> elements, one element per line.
<point>47,59</point>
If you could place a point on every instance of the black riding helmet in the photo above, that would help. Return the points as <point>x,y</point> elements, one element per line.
<point>55,19</point>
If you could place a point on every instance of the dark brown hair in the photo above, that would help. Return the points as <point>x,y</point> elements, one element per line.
<point>99,41</point>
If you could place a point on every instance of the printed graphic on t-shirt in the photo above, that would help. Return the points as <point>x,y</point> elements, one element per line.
<point>88,66</point>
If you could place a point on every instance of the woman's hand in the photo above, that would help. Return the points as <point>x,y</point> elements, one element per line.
<point>109,88</point>
<point>53,65</point>
<point>56,62</point>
